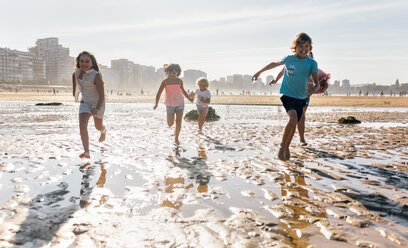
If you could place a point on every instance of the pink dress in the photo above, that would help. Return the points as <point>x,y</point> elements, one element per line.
<point>173,97</point>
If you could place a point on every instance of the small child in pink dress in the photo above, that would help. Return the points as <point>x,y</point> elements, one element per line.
<point>174,99</point>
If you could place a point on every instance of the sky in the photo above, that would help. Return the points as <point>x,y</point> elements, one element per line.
<point>364,41</point>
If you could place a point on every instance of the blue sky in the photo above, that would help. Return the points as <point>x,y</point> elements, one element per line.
<point>363,41</point>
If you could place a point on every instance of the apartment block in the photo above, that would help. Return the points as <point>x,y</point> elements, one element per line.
<point>190,78</point>
<point>21,66</point>
<point>59,65</point>
<point>126,71</point>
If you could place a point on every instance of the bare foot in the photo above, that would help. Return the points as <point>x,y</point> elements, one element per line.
<point>103,135</point>
<point>85,155</point>
<point>177,141</point>
<point>284,154</point>
<point>280,154</point>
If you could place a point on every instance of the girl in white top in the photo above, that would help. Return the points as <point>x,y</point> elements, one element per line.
<point>88,81</point>
<point>203,99</point>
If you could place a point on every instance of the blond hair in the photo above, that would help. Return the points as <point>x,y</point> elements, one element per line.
<point>204,81</point>
<point>300,39</point>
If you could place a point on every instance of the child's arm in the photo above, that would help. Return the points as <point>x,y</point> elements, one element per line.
<point>268,67</point>
<point>101,92</point>
<point>183,91</point>
<point>316,84</point>
<point>205,100</point>
<point>162,85</point>
<point>73,84</point>
<point>278,77</point>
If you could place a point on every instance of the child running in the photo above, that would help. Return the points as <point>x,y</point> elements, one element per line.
<point>88,81</point>
<point>174,100</point>
<point>203,99</point>
<point>298,69</point>
<point>324,84</point>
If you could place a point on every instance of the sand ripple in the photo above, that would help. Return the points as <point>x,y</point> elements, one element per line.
<point>223,188</point>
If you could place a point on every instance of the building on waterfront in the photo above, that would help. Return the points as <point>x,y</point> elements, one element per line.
<point>59,65</point>
<point>345,83</point>
<point>110,77</point>
<point>190,78</point>
<point>18,66</point>
<point>336,84</point>
<point>126,71</point>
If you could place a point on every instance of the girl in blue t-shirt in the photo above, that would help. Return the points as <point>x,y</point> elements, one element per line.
<point>324,83</point>
<point>298,69</point>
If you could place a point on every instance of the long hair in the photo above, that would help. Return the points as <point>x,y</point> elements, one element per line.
<point>95,65</point>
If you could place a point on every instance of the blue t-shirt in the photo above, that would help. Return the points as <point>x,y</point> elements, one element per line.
<point>297,74</point>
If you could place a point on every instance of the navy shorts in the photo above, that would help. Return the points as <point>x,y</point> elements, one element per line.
<point>290,103</point>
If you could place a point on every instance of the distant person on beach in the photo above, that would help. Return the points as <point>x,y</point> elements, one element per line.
<point>174,99</point>
<point>298,69</point>
<point>88,81</point>
<point>324,84</point>
<point>203,99</point>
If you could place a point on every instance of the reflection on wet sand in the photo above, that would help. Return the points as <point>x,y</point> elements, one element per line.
<point>87,172</point>
<point>172,185</point>
<point>222,188</point>
<point>295,224</point>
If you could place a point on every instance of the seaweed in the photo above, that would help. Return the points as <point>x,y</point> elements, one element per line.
<point>193,115</point>
<point>348,120</point>
<point>48,104</point>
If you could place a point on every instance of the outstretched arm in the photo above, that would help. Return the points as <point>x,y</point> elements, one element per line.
<point>278,77</point>
<point>205,100</point>
<point>159,94</point>
<point>268,67</point>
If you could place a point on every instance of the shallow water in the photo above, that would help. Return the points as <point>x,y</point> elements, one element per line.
<point>225,187</point>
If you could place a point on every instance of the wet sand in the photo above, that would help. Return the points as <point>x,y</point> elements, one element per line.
<point>222,188</point>
<point>316,100</point>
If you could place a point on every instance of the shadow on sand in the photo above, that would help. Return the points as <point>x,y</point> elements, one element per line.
<point>46,213</point>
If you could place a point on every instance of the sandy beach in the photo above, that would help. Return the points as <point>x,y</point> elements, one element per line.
<point>222,188</point>
<point>316,100</point>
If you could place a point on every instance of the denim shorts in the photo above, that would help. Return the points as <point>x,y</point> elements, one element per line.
<point>293,103</point>
<point>85,107</point>
<point>172,110</point>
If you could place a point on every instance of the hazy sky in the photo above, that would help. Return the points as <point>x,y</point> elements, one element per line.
<point>365,41</point>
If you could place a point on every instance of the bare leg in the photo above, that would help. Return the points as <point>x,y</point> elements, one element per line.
<point>100,127</point>
<point>179,118</point>
<point>301,128</point>
<point>201,118</point>
<point>290,129</point>
<point>170,119</point>
<point>83,130</point>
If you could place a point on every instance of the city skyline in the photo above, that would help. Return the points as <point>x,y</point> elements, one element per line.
<point>222,38</point>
